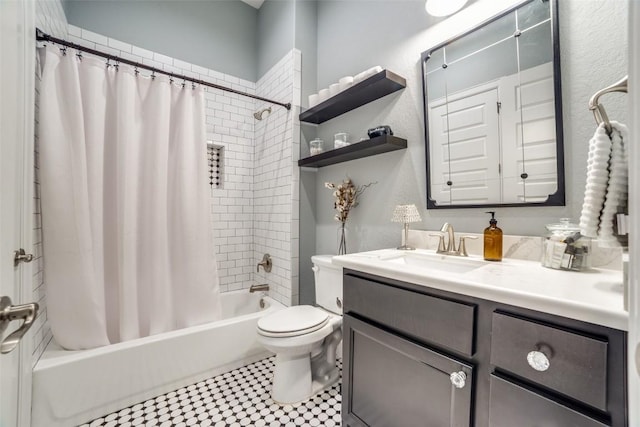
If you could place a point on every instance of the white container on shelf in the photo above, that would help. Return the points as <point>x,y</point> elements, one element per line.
<point>334,89</point>
<point>345,82</point>
<point>323,95</point>
<point>313,100</point>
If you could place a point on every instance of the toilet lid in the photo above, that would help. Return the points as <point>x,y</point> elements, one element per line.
<point>297,320</point>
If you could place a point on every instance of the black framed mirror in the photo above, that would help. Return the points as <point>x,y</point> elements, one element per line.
<point>493,113</point>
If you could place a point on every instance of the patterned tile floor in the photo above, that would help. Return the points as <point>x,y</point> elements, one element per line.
<point>237,398</point>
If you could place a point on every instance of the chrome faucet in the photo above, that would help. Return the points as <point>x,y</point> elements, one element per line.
<point>450,248</point>
<point>259,288</point>
<point>451,239</point>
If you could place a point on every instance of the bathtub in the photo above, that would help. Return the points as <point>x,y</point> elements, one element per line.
<point>73,387</point>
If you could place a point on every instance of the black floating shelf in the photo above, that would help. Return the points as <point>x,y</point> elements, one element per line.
<point>375,87</point>
<point>358,150</point>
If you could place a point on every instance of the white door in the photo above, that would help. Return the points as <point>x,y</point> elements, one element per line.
<point>634,211</point>
<point>16,181</point>
<point>464,137</point>
<point>529,135</point>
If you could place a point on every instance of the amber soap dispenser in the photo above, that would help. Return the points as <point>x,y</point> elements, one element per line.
<point>493,240</point>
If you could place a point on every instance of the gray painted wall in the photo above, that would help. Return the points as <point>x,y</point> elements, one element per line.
<point>275,33</point>
<point>220,35</point>
<point>594,54</point>
<point>306,40</point>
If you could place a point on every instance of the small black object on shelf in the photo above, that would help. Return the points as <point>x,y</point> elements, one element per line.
<point>379,131</point>
<point>358,150</point>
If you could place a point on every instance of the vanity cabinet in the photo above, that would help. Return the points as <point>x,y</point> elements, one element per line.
<point>419,356</point>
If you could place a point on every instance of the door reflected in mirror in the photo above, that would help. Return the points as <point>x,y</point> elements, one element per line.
<point>493,113</point>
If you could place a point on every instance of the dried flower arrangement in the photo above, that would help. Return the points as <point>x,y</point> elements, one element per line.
<point>346,198</point>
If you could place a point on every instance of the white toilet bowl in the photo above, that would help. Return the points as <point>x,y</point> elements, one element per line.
<point>304,339</point>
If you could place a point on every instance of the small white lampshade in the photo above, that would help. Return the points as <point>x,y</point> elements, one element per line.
<point>444,7</point>
<point>406,214</point>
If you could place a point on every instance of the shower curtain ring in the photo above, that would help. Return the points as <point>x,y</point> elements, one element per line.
<point>136,71</point>
<point>153,75</point>
<point>63,50</point>
<point>79,55</point>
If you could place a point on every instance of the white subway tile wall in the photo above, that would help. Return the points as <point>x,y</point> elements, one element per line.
<point>252,213</point>
<point>276,155</point>
<point>51,19</point>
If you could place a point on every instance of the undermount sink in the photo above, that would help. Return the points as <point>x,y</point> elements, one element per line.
<point>428,261</point>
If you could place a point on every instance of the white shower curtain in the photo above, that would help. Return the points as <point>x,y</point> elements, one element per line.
<point>126,231</point>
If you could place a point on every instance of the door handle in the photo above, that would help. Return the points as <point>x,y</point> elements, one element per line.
<point>10,312</point>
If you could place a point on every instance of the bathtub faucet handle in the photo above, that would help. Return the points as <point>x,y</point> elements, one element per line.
<point>266,263</point>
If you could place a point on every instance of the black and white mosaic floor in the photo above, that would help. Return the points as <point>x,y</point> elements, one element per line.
<point>237,398</point>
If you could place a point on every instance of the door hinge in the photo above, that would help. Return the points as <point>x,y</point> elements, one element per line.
<point>498,106</point>
<point>21,256</point>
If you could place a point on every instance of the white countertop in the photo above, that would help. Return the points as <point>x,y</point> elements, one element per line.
<point>594,296</point>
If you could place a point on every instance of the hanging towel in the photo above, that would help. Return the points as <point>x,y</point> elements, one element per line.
<point>606,190</point>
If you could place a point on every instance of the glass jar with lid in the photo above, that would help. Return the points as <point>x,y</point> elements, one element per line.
<point>564,248</point>
<point>316,147</point>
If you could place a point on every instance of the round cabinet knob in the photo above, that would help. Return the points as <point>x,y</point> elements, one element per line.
<point>538,360</point>
<point>458,379</point>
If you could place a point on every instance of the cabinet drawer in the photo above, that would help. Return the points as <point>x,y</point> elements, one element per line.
<point>436,320</point>
<point>577,364</point>
<point>512,405</point>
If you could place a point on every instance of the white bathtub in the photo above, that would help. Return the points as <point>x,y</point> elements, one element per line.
<point>72,387</point>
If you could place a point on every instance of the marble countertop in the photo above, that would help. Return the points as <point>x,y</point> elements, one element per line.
<point>595,296</point>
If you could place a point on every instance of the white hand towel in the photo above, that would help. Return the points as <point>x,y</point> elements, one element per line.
<point>618,189</point>
<point>597,178</point>
<point>606,190</point>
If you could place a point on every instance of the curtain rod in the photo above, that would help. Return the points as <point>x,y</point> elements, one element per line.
<point>41,36</point>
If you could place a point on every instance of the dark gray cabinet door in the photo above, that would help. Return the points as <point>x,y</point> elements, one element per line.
<point>391,381</point>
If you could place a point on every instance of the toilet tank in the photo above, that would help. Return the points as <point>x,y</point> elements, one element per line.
<point>328,283</point>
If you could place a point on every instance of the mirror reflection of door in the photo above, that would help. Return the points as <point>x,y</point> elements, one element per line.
<point>493,113</point>
<point>464,138</point>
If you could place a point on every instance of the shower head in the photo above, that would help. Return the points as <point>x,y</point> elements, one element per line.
<point>258,114</point>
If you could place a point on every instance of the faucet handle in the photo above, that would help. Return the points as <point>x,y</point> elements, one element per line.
<point>462,249</point>
<point>441,248</point>
<point>266,263</point>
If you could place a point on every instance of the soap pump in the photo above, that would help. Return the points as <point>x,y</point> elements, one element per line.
<point>493,240</point>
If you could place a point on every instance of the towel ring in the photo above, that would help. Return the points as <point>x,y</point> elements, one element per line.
<point>599,112</point>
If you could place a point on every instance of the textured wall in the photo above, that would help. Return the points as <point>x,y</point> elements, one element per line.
<point>274,33</point>
<point>593,53</point>
<point>219,35</point>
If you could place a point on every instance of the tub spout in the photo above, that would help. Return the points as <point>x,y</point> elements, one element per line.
<point>259,288</point>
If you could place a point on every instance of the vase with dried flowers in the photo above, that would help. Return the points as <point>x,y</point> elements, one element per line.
<point>346,196</point>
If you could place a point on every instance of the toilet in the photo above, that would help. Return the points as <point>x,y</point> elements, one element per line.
<point>306,338</point>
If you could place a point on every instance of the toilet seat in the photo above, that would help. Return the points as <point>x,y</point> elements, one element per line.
<point>293,321</point>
